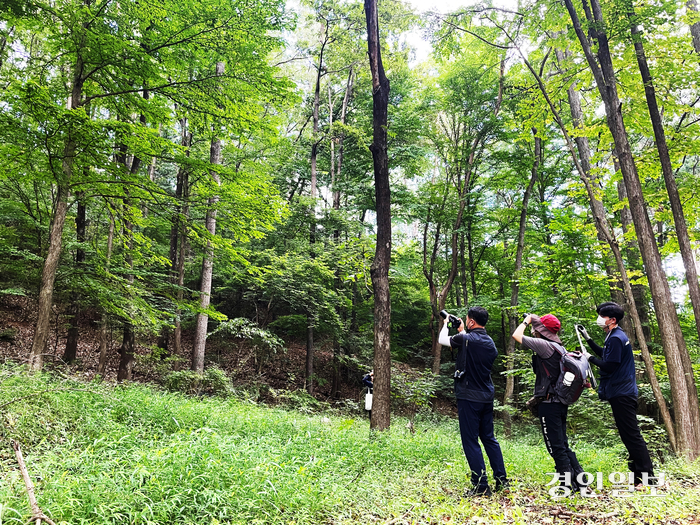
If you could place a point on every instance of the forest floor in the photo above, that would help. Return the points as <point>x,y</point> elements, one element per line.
<point>403,479</point>
<point>132,454</point>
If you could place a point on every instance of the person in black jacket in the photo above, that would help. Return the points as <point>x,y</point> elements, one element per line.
<point>551,411</point>
<point>475,392</point>
<point>618,385</point>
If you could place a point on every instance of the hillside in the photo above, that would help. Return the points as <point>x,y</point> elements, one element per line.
<point>106,453</point>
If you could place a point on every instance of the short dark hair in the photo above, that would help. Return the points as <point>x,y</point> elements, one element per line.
<point>611,309</point>
<point>479,314</point>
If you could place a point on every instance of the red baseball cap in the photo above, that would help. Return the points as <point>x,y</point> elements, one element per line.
<point>551,322</point>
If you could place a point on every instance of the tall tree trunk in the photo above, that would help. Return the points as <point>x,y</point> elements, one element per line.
<point>185,137</point>
<point>200,337</point>
<point>604,227</point>
<point>632,256</point>
<point>102,363</point>
<point>309,368</point>
<point>71,352</point>
<point>695,27</point>
<point>177,334</point>
<point>336,164</point>
<point>679,222</point>
<point>381,409</point>
<point>515,284</point>
<point>127,351</point>
<point>48,274</point>
<point>665,309</point>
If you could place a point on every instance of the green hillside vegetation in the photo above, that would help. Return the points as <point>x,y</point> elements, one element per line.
<point>102,453</point>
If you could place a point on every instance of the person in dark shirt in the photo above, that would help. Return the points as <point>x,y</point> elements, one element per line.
<point>475,392</point>
<point>551,412</point>
<point>618,385</point>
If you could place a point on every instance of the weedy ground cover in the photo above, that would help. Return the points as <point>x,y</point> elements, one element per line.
<point>135,455</point>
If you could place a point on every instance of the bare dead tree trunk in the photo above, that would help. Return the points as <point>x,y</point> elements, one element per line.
<point>687,420</point>
<point>200,337</point>
<point>381,408</point>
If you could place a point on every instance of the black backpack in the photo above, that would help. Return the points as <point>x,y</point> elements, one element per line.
<point>573,376</point>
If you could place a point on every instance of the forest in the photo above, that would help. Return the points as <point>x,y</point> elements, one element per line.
<point>260,201</point>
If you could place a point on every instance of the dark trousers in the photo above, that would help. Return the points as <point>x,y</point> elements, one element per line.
<point>553,421</point>
<point>476,423</point>
<point>624,409</point>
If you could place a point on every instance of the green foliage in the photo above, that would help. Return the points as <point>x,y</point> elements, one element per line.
<point>213,382</point>
<point>414,390</point>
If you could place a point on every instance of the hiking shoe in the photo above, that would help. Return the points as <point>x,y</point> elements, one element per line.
<point>503,486</point>
<point>478,491</point>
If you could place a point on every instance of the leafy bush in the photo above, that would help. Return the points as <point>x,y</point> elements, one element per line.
<point>214,381</point>
<point>290,325</point>
<point>265,343</point>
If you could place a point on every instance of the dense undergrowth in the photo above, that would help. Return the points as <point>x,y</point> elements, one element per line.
<point>132,454</point>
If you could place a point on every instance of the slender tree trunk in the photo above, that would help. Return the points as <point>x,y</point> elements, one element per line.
<point>164,339</point>
<point>341,140</point>
<point>632,256</point>
<point>695,27</point>
<point>127,351</point>
<point>200,337</point>
<point>48,274</point>
<point>679,221</point>
<point>335,176</point>
<point>102,363</point>
<point>603,226</point>
<point>687,419</point>
<point>177,335</point>
<point>71,352</point>
<point>515,284</point>
<point>381,409</point>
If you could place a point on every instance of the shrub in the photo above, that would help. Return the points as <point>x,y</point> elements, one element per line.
<point>213,382</point>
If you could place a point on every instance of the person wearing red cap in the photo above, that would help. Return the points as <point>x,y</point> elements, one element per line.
<point>551,412</point>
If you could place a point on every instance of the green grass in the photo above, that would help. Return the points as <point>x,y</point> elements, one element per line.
<point>103,454</point>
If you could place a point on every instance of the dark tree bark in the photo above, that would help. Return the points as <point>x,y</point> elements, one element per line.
<point>175,228</point>
<point>104,345</point>
<point>200,336</point>
<point>71,352</point>
<point>687,420</point>
<point>679,221</point>
<point>381,409</point>
<point>695,27</point>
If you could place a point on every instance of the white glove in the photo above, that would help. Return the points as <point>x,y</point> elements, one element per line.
<point>582,330</point>
<point>586,353</point>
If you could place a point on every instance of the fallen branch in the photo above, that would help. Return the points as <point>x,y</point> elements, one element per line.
<point>399,518</point>
<point>37,514</point>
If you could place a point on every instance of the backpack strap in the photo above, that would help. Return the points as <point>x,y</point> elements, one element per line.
<point>461,366</point>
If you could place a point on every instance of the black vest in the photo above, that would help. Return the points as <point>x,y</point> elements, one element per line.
<point>546,374</point>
